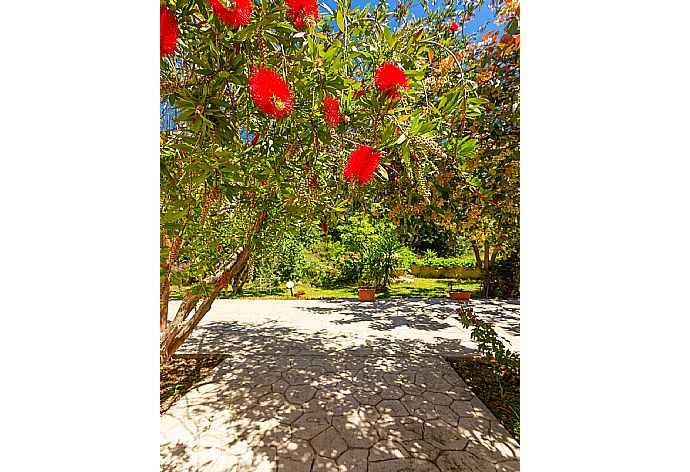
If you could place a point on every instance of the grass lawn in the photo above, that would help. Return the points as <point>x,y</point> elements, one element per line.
<point>420,288</point>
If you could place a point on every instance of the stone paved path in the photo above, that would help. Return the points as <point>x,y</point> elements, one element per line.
<point>337,386</point>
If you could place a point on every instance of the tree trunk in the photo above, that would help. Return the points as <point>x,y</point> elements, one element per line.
<point>165,296</point>
<point>494,253</point>
<point>477,255</point>
<point>181,327</point>
<point>487,272</point>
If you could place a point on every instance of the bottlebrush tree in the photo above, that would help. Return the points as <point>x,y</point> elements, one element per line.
<point>268,107</point>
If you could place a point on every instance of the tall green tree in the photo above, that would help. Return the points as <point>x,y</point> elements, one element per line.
<point>245,159</point>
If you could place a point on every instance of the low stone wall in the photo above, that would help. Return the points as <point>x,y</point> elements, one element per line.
<point>453,273</point>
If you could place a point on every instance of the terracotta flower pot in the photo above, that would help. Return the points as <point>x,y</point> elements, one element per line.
<point>366,294</point>
<point>460,295</point>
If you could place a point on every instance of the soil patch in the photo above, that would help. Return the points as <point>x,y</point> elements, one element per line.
<point>178,376</point>
<point>500,391</point>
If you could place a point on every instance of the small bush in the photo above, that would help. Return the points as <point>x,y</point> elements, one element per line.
<point>406,258</point>
<point>435,262</point>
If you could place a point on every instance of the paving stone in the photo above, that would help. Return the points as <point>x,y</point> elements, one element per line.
<point>453,461</point>
<point>425,410</point>
<point>400,428</point>
<point>433,381</point>
<point>288,413</point>
<point>392,393</point>
<point>367,398</point>
<point>271,400</point>
<point>224,463</point>
<point>300,394</point>
<point>402,465</point>
<point>296,450</point>
<point>420,449</point>
<point>356,433</point>
<point>474,427</point>
<point>310,424</point>
<point>353,460</point>
<point>259,459</point>
<point>447,415</point>
<point>440,434</point>
<point>280,386</point>
<point>329,443</point>
<point>437,398</point>
<point>315,404</point>
<point>341,405</point>
<point>323,464</point>
<point>294,377</point>
<point>366,413</point>
<point>462,393</point>
<point>508,466</point>
<point>387,449</point>
<point>392,408</point>
<point>290,465</point>
<point>412,389</point>
<point>463,409</point>
<point>266,380</point>
<point>277,437</point>
<point>257,392</point>
<point>490,450</point>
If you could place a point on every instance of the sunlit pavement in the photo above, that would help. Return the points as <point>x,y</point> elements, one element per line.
<point>337,385</point>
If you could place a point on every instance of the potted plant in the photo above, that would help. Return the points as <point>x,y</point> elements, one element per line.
<point>367,283</point>
<point>459,294</point>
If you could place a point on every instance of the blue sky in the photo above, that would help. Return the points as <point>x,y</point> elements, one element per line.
<point>482,16</point>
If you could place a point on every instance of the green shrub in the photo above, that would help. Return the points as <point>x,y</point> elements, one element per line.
<point>372,248</point>
<point>328,264</point>
<point>490,345</point>
<point>284,259</point>
<point>504,279</point>
<point>405,258</point>
<point>432,260</point>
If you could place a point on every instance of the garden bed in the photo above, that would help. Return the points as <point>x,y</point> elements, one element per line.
<point>420,288</point>
<point>178,376</point>
<point>500,394</point>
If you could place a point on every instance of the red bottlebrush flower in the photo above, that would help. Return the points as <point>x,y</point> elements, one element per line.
<point>361,165</point>
<point>270,93</point>
<point>453,27</point>
<point>324,227</point>
<point>359,94</point>
<point>331,106</point>
<point>169,32</point>
<point>237,13</point>
<point>262,182</point>
<point>214,194</point>
<point>301,10</point>
<point>389,79</point>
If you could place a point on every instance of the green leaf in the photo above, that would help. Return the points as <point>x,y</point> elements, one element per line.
<point>383,172</point>
<point>339,20</point>
<point>512,26</point>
